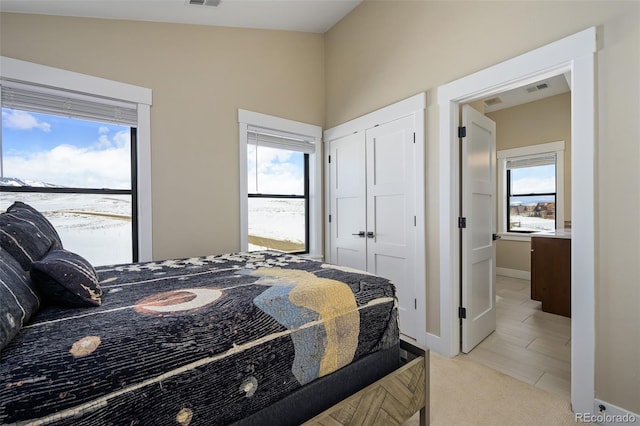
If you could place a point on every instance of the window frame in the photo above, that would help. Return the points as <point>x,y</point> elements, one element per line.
<point>539,194</point>
<point>36,75</point>
<point>503,191</point>
<point>304,196</point>
<point>313,134</point>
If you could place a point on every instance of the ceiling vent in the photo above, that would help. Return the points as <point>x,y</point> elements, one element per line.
<point>213,3</point>
<point>537,87</point>
<point>492,101</point>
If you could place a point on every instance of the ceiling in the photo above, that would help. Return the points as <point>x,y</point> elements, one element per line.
<point>315,16</point>
<point>529,93</point>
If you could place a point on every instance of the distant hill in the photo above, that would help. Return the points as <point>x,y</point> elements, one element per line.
<point>11,181</point>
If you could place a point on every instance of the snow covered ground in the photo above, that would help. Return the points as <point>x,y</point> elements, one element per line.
<point>278,219</point>
<point>97,227</point>
<point>531,223</point>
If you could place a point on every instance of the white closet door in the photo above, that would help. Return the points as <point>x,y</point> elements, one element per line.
<point>390,151</point>
<point>348,201</point>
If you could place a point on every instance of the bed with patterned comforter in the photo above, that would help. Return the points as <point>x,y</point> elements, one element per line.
<point>205,341</point>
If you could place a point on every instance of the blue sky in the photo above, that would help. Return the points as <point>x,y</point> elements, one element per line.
<point>540,179</point>
<point>65,151</point>
<point>278,171</point>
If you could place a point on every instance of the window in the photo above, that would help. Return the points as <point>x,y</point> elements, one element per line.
<point>531,192</point>
<point>278,204</point>
<point>46,100</point>
<point>532,183</point>
<point>280,184</point>
<point>88,94</point>
<point>73,158</point>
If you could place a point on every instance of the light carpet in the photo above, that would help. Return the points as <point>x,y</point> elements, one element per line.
<point>467,393</point>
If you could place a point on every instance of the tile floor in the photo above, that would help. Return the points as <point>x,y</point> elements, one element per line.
<point>528,344</point>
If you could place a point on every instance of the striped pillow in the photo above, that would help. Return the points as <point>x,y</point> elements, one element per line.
<point>66,279</point>
<point>18,298</point>
<point>26,234</point>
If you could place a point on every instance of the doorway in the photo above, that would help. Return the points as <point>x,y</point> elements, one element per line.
<point>575,54</point>
<point>533,146</point>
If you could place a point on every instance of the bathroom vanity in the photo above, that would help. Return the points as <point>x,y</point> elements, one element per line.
<point>551,271</point>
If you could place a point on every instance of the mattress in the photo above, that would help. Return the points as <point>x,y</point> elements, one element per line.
<point>208,340</point>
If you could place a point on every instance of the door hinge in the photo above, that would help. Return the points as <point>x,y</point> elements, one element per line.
<point>415,304</point>
<point>329,159</point>
<point>415,221</point>
<point>414,137</point>
<point>462,222</point>
<point>329,218</point>
<point>462,312</point>
<point>462,131</point>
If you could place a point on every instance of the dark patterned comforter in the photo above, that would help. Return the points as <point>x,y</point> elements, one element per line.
<point>199,341</point>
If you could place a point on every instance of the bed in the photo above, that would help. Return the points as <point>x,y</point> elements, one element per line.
<point>245,338</point>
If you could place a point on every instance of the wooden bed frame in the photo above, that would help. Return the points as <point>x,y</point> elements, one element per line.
<point>392,400</point>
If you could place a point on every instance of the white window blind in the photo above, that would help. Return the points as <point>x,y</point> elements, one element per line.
<point>281,140</point>
<point>46,100</point>
<point>546,159</point>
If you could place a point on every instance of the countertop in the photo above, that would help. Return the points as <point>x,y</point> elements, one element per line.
<point>558,233</point>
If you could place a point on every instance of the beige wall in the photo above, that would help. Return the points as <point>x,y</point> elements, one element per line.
<point>547,120</point>
<point>385,51</point>
<point>200,76</point>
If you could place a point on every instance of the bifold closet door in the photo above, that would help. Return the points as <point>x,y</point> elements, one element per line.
<point>348,201</point>
<point>390,189</point>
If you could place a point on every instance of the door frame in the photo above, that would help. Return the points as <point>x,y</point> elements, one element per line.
<point>414,105</point>
<point>575,54</point>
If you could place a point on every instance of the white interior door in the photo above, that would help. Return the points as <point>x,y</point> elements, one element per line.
<point>391,210</point>
<point>348,201</point>
<point>478,169</point>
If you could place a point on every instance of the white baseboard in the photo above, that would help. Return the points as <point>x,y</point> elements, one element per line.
<point>437,345</point>
<point>514,273</point>
<point>606,414</point>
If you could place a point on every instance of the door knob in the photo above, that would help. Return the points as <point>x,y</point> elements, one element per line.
<point>360,234</point>
<point>370,234</point>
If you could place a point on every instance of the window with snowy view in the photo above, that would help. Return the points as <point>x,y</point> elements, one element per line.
<point>277,199</point>
<point>79,174</point>
<point>531,194</point>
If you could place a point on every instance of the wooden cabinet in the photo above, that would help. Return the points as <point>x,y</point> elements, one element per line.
<point>551,274</point>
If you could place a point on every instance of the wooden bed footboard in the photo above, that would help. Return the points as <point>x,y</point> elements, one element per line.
<point>392,400</point>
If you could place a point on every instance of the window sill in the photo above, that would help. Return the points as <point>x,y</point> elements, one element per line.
<point>513,236</point>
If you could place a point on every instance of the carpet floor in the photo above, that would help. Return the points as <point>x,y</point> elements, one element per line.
<point>466,393</point>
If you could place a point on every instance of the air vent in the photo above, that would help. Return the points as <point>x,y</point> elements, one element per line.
<point>493,101</point>
<point>537,87</point>
<point>213,3</point>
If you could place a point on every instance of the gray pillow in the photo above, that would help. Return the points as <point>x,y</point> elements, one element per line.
<point>26,234</point>
<point>66,279</point>
<point>18,298</point>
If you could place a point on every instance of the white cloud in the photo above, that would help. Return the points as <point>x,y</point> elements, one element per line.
<point>275,175</point>
<point>103,129</point>
<point>534,185</point>
<point>105,165</point>
<point>20,120</point>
